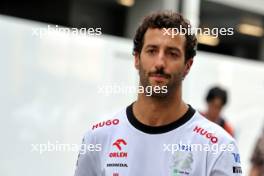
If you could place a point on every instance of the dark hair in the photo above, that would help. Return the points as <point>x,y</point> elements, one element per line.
<point>217,92</point>
<point>165,19</point>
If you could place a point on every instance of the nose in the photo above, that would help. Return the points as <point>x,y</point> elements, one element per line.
<point>160,60</point>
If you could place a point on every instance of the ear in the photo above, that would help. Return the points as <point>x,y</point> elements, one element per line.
<point>188,66</point>
<point>137,57</point>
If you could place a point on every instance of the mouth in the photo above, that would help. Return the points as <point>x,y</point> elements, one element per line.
<point>159,78</point>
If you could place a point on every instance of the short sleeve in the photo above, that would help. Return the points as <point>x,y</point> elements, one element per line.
<point>227,163</point>
<point>87,162</point>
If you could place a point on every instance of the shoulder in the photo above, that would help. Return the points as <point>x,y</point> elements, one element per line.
<point>210,130</point>
<point>223,153</point>
<point>106,126</point>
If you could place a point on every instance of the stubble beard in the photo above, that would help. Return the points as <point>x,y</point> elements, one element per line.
<point>175,82</point>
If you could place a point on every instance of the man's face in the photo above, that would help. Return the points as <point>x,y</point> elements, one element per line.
<point>162,61</point>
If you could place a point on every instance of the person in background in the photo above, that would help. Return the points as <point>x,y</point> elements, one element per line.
<point>257,158</point>
<point>216,100</point>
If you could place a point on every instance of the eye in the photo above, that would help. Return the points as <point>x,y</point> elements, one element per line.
<point>151,51</point>
<point>173,54</point>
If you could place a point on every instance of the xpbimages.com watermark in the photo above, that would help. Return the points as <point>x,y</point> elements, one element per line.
<point>45,31</point>
<point>214,32</point>
<point>126,89</point>
<point>214,148</point>
<point>62,147</point>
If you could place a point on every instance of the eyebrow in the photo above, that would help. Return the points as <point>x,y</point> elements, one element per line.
<point>151,46</point>
<point>171,48</point>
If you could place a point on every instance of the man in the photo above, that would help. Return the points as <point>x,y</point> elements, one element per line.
<point>158,135</point>
<point>216,99</point>
<point>257,159</point>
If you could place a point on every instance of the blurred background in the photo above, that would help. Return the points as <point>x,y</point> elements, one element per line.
<point>52,82</point>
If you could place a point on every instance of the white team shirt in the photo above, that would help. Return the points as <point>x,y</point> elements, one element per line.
<point>192,145</point>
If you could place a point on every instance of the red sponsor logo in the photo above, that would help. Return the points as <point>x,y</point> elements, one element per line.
<point>118,144</point>
<point>115,174</point>
<point>106,123</point>
<point>118,155</point>
<point>206,134</point>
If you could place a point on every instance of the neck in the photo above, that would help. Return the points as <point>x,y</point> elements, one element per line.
<point>154,111</point>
